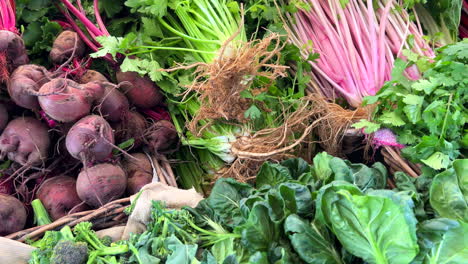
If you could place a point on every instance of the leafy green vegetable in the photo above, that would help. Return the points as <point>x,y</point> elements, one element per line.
<point>428,115</point>
<point>443,241</point>
<point>374,228</point>
<point>311,241</point>
<point>449,192</point>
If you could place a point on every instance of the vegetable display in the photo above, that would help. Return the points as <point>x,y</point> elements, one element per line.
<point>317,131</point>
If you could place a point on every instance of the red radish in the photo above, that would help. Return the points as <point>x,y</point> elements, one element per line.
<point>132,126</point>
<point>24,84</point>
<point>101,184</point>
<point>139,172</point>
<point>58,195</point>
<point>113,105</point>
<point>90,139</point>
<point>12,215</point>
<point>66,44</point>
<point>25,140</point>
<point>143,92</point>
<point>161,135</point>
<point>67,101</point>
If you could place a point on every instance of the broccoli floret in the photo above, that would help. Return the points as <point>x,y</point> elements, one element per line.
<point>69,252</point>
<point>84,233</point>
<point>106,240</point>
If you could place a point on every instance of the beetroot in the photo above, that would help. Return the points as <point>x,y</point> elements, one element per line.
<point>3,117</point>
<point>143,92</point>
<point>64,45</point>
<point>24,84</point>
<point>132,126</point>
<point>90,76</point>
<point>6,185</point>
<point>12,215</point>
<point>113,105</point>
<point>90,139</point>
<point>101,184</point>
<point>58,195</point>
<point>67,101</point>
<point>25,140</point>
<point>12,53</point>
<point>139,172</point>
<point>161,135</point>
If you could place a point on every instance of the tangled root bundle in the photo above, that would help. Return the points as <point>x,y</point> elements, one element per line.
<point>221,82</point>
<point>333,121</point>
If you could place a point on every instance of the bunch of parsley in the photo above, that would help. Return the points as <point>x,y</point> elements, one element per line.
<point>428,115</point>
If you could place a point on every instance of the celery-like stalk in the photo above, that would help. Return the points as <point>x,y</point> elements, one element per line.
<point>41,217</point>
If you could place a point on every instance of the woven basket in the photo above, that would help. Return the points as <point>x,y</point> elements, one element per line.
<point>109,215</point>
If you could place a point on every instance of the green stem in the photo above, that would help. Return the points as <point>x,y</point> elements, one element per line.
<point>178,33</point>
<point>153,48</point>
<point>41,217</point>
<point>444,126</point>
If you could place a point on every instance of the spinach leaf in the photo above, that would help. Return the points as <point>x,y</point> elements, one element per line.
<point>310,242</point>
<point>296,166</point>
<point>225,198</point>
<point>272,174</point>
<point>364,177</point>
<point>374,228</point>
<point>443,241</point>
<point>181,253</point>
<point>449,191</point>
<point>258,232</point>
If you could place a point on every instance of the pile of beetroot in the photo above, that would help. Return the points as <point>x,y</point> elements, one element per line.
<point>61,130</point>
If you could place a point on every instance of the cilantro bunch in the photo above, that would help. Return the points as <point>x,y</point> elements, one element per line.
<point>428,115</point>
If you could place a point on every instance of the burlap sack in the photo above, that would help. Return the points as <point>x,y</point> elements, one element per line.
<point>172,197</point>
<point>14,252</point>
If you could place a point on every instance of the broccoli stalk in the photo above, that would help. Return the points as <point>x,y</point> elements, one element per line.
<point>41,217</point>
<point>84,233</point>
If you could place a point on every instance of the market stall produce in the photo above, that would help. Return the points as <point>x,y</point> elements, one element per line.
<point>233,131</point>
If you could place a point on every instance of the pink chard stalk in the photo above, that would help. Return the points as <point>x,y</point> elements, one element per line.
<point>357,44</point>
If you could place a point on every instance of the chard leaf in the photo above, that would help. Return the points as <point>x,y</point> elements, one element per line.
<point>373,228</point>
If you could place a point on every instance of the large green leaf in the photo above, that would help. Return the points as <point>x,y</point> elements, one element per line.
<point>449,191</point>
<point>371,227</point>
<point>225,198</point>
<point>272,174</point>
<point>181,253</point>
<point>309,242</point>
<point>449,248</point>
<point>259,232</point>
<point>364,177</point>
